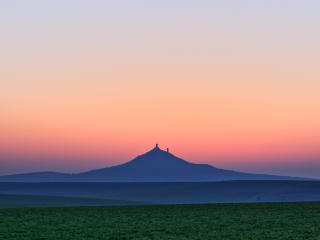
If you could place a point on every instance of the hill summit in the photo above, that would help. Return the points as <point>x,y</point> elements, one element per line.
<point>155,165</point>
<point>159,159</point>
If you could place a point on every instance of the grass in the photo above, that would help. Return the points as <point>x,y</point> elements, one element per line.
<point>208,221</point>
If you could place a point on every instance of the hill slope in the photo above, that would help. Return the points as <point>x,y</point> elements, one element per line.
<point>14,200</point>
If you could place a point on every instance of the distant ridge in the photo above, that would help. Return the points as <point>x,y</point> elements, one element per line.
<point>153,166</point>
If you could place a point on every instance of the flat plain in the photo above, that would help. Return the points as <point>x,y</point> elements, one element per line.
<point>165,192</point>
<point>194,221</point>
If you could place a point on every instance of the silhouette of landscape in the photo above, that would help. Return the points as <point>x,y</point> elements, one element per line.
<point>157,177</point>
<point>154,166</point>
<point>229,90</point>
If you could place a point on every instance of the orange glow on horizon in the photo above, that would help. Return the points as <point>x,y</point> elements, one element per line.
<point>219,85</point>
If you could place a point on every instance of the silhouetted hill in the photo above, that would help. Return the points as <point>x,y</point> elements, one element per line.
<point>154,166</point>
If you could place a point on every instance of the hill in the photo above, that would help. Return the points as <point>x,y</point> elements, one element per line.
<point>154,166</point>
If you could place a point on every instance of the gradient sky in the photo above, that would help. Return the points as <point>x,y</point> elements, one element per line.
<point>89,84</point>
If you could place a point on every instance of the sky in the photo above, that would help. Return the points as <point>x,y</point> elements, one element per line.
<point>90,84</point>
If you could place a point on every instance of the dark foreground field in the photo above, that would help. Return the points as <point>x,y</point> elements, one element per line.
<point>215,221</point>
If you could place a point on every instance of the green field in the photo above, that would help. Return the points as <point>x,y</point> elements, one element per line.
<point>207,221</point>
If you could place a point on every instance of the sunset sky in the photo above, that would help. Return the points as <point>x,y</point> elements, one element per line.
<point>90,84</point>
